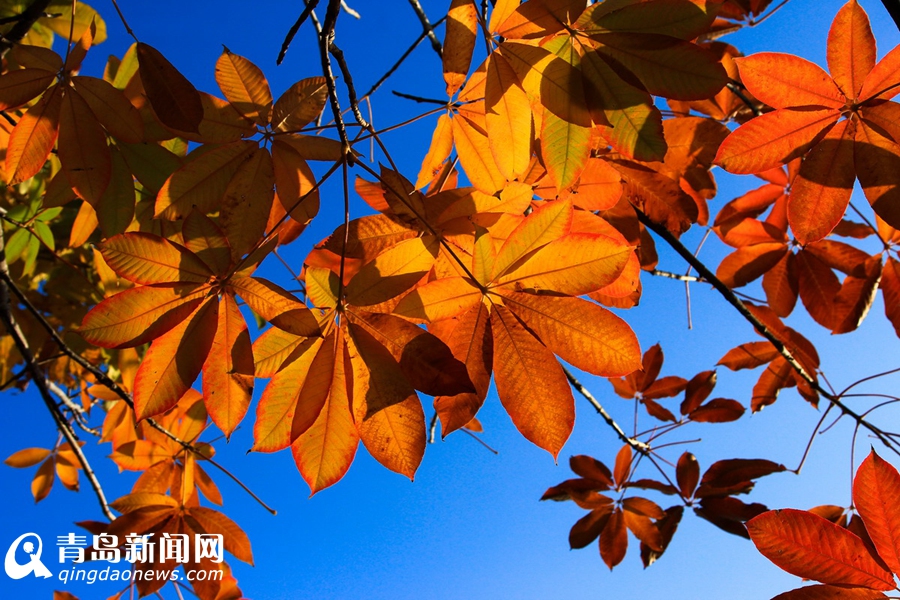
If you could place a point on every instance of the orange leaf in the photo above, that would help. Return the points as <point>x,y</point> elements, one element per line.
<point>890,288</point>
<point>276,306</point>
<point>614,539</point>
<point>235,540</point>
<point>43,480</point>
<point>202,182</point>
<point>773,139</point>
<point>174,361</point>
<point>818,288</point>
<point>881,82</point>
<point>278,404</point>
<point>853,301</point>
<point>82,148</point>
<point>877,161</point>
<point>580,332</point>
<point>174,99</point>
<point>117,115</point>
<point>300,104</point>
<point>294,181</point>
<point>459,43</point>
<point>247,202</point>
<point>426,362</point>
<point>245,86</point>
<point>439,299</point>
<point>875,491</point>
<point>785,80</point>
<point>324,453</point>
<point>228,370</point>
<point>749,356</point>
<point>574,264</point>
<point>531,384</point>
<point>749,263</point>
<point>549,221</point>
<point>18,87</point>
<point>393,271</point>
<point>821,190</point>
<point>204,238</point>
<point>26,458</point>
<point>386,410</point>
<point>139,315</point>
<point>809,546</point>
<point>469,338</point>
<point>830,592</point>
<point>851,49</point>
<point>537,18</point>
<point>146,258</point>
<point>33,138</point>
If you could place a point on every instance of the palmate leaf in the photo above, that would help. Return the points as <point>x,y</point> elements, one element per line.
<point>174,99</point>
<point>245,86</point>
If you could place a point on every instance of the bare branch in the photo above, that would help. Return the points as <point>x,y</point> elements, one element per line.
<point>427,27</point>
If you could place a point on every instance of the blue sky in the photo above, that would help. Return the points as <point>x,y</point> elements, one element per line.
<point>471,524</point>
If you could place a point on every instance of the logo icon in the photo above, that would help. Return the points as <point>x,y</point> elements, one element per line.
<point>34,564</point>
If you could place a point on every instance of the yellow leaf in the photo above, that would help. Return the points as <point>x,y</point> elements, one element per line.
<point>476,157</point>
<point>276,408</point>
<point>26,458</point>
<point>507,118</point>
<point>438,152</point>
<point>546,223</point>
<point>575,264</point>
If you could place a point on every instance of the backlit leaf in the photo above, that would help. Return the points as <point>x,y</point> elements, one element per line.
<point>875,490</point>
<point>245,86</point>
<point>459,43</point>
<point>174,361</point>
<point>531,384</point>
<point>809,546</point>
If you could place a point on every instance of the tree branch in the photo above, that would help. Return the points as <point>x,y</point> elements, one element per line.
<point>427,27</point>
<point>638,445</point>
<point>23,25</point>
<point>767,333</point>
<point>41,382</point>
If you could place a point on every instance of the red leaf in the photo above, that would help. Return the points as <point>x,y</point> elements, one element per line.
<point>875,492</point>
<point>809,546</point>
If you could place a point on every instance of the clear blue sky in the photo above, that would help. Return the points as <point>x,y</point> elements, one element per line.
<point>471,526</point>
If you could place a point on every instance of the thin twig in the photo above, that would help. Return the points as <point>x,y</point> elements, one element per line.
<point>400,61</point>
<point>124,22</point>
<point>738,91</point>
<point>634,443</point>
<point>23,25</point>
<point>742,309</point>
<point>427,27</point>
<point>670,275</point>
<point>307,11</point>
<point>40,381</point>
